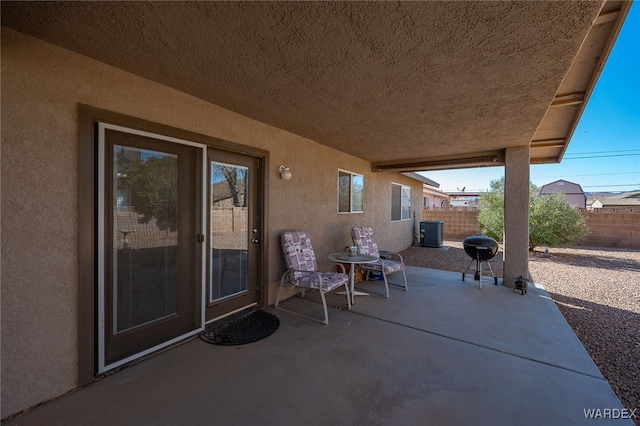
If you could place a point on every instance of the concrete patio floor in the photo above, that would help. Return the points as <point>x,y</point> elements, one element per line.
<point>443,353</point>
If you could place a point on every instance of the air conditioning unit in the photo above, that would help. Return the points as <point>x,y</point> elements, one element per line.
<point>431,233</point>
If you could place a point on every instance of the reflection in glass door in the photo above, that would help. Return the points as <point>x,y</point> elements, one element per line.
<point>229,230</point>
<point>233,233</point>
<point>145,236</point>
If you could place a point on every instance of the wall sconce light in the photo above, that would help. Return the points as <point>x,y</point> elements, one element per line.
<point>285,173</point>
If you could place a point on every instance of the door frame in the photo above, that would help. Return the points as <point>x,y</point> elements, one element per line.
<point>88,119</point>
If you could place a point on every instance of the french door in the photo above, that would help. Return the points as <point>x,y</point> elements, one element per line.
<point>234,232</point>
<point>150,268</point>
<point>179,233</point>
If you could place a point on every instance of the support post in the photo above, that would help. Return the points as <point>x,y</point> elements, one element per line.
<point>516,214</point>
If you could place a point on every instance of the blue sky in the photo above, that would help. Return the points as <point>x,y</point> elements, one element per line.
<point>604,152</point>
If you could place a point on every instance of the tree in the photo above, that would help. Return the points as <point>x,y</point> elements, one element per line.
<point>235,186</point>
<point>153,187</point>
<point>552,221</point>
<point>491,215</point>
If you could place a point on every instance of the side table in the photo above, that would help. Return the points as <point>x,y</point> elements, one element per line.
<point>353,260</point>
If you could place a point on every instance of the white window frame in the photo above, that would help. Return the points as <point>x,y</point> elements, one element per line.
<point>351,175</point>
<point>405,202</point>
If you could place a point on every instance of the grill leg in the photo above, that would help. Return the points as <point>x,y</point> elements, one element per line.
<point>495,279</point>
<point>468,267</point>
<point>479,270</point>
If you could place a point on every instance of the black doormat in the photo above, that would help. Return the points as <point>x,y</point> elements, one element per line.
<point>249,328</point>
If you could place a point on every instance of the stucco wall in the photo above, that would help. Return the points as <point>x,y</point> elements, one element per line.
<point>42,86</point>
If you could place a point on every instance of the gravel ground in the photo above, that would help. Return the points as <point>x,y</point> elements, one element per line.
<point>596,289</point>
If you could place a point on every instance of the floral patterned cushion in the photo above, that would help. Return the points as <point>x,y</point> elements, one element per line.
<point>389,266</point>
<point>363,238</point>
<point>330,280</point>
<point>298,251</point>
<point>299,256</point>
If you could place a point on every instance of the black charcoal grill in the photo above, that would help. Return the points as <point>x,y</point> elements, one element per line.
<point>480,249</point>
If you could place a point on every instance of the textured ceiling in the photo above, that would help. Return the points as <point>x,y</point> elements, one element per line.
<point>389,82</point>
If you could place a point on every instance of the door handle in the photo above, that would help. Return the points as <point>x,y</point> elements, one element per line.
<point>255,233</point>
<point>255,241</point>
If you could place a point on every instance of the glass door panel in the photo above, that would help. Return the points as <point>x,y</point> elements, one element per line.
<point>234,234</point>
<point>229,230</point>
<point>150,266</point>
<point>145,235</point>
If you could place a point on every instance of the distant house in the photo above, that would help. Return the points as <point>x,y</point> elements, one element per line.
<point>572,191</point>
<point>464,199</point>
<point>608,201</point>
<point>431,195</point>
<point>594,203</point>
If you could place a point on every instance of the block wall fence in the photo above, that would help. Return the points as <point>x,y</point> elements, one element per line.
<point>612,228</point>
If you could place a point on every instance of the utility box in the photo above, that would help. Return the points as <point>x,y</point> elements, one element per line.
<point>431,233</point>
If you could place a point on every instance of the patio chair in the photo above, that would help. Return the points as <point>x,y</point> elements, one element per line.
<point>302,271</point>
<point>363,238</point>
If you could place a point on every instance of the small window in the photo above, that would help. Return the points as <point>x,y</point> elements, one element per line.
<point>400,202</point>
<point>427,202</point>
<point>350,192</point>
